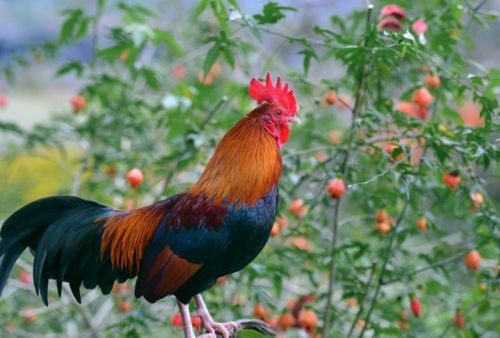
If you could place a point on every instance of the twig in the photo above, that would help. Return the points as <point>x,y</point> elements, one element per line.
<point>344,169</point>
<point>386,258</point>
<point>361,303</point>
<point>87,318</point>
<point>425,268</point>
<point>251,324</point>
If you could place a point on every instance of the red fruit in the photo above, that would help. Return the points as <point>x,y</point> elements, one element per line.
<point>404,315</point>
<point>282,222</point>
<point>308,320</point>
<point>298,208</point>
<point>135,177</point>
<point>273,322</point>
<point>179,72</point>
<point>381,216</point>
<point>422,224</point>
<point>382,227</point>
<point>4,100</point>
<point>451,179</point>
<point>29,315</point>
<point>473,260</point>
<point>408,108</point>
<point>459,319</point>
<point>471,114</point>
<point>25,277</point>
<point>393,10</point>
<point>432,80</point>
<point>259,311</point>
<point>275,230</point>
<point>415,306</point>
<point>422,97</point>
<point>419,26</point>
<point>336,188</point>
<point>176,320</point>
<point>331,97</point>
<point>196,321</point>
<point>286,321</point>
<point>302,244</point>
<point>124,306</point>
<point>389,23</point>
<point>78,102</point>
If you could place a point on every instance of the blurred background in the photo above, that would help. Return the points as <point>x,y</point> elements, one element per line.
<point>29,23</point>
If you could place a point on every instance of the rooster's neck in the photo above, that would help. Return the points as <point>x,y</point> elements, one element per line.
<point>245,166</point>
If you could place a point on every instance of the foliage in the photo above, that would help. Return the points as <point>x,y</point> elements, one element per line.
<point>157,100</point>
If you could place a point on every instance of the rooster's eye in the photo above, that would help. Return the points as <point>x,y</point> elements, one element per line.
<point>278,112</point>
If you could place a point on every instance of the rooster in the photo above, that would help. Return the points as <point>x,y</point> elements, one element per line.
<point>178,246</point>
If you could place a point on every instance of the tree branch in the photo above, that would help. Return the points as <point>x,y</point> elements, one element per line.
<point>386,257</point>
<point>361,303</point>
<point>344,169</point>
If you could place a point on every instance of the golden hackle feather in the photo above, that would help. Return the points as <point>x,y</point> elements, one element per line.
<point>245,166</point>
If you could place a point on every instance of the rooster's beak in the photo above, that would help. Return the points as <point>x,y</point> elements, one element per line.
<point>294,119</point>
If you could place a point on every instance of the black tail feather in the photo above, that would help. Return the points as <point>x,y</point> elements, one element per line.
<point>64,234</point>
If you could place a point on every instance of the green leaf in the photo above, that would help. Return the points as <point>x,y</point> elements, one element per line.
<point>272,13</point>
<point>234,3</point>
<point>150,77</point>
<point>169,40</point>
<point>112,53</point>
<point>68,26</point>
<point>212,55</point>
<point>202,5</point>
<point>228,54</point>
<point>69,67</point>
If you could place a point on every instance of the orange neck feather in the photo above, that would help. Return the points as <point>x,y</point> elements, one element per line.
<point>245,166</point>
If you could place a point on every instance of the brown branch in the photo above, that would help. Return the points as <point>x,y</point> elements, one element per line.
<point>250,324</point>
<point>386,258</point>
<point>344,169</point>
<point>361,303</point>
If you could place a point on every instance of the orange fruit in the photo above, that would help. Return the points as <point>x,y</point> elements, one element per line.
<point>473,260</point>
<point>336,188</point>
<point>124,306</point>
<point>422,224</point>
<point>135,177</point>
<point>78,103</point>
<point>286,321</point>
<point>307,320</point>
<point>451,179</point>
<point>331,97</point>
<point>259,311</point>
<point>432,80</point>
<point>422,97</point>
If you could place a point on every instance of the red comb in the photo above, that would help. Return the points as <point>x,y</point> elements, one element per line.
<point>273,94</point>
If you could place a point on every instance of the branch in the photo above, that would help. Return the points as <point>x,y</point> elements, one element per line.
<point>250,324</point>
<point>361,303</point>
<point>386,257</point>
<point>344,169</point>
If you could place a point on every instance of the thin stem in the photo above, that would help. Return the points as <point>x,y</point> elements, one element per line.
<point>362,302</point>
<point>387,255</point>
<point>344,169</point>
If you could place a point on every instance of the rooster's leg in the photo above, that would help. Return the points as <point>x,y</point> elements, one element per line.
<point>224,329</point>
<point>186,320</point>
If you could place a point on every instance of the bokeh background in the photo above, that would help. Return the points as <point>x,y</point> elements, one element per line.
<point>36,95</point>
